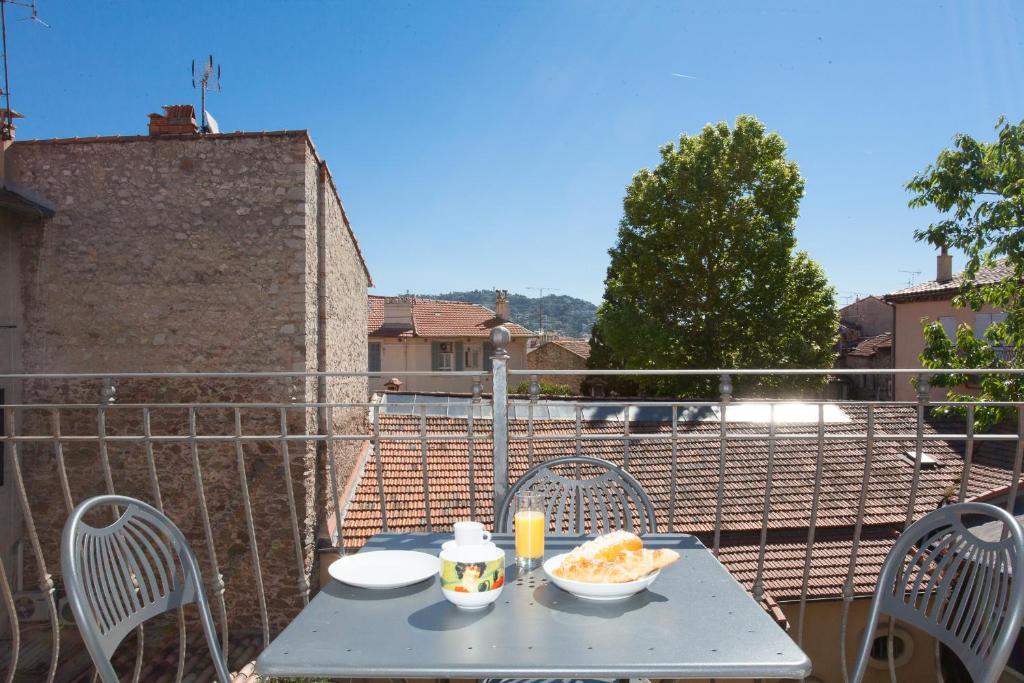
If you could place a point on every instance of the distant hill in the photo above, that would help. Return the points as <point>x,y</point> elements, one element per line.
<point>565,315</point>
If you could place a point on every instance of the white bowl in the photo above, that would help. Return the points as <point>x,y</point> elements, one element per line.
<point>596,591</point>
<point>472,600</point>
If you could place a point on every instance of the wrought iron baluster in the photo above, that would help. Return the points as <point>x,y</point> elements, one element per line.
<point>673,471</point>
<point>45,580</point>
<point>12,616</point>
<point>923,388</point>
<point>58,451</point>
<point>470,454</point>
<point>758,591</point>
<point>379,467</point>
<point>812,524</point>
<point>254,552</point>
<point>300,563</point>
<point>968,455</point>
<point>216,580</point>
<point>426,467</point>
<point>725,392</point>
<point>333,473</point>
<point>858,528</point>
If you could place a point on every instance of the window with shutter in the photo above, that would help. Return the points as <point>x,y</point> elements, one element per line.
<point>488,352</point>
<point>949,324</point>
<point>373,357</point>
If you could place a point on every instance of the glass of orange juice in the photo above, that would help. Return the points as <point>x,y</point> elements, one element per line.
<point>530,525</point>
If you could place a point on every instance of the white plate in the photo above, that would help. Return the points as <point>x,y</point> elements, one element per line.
<point>596,591</point>
<point>385,568</point>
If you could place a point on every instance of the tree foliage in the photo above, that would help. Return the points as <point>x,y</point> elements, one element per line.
<point>978,188</point>
<point>704,273</point>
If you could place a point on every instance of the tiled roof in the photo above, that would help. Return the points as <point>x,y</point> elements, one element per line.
<point>786,556</point>
<point>793,470</point>
<point>871,345</point>
<point>437,318</point>
<point>581,347</point>
<point>941,290</point>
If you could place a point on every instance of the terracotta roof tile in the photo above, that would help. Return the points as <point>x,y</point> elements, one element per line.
<point>933,289</point>
<point>581,347</point>
<point>869,346</point>
<point>437,318</point>
<point>693,507</point>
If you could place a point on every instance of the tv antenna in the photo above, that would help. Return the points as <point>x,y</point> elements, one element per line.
<point>207,79</point>
<point>7,127</point>
<point>540,303</point>
<point>911,276</point>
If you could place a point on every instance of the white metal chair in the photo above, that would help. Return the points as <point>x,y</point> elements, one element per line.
<point>583,495</point>
<point>964,591</point>
<point>120,575</point>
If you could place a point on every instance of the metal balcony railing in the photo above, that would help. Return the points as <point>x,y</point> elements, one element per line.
<point>264,478</point>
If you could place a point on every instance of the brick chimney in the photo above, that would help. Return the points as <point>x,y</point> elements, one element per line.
<point>944,266</point>
<point>501,305</point>
<point>177,119</point>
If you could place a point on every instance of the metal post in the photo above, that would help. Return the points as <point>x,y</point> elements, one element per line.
<point>500,338</point>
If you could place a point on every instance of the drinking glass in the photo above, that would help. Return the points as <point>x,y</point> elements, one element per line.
<point>530,525</point>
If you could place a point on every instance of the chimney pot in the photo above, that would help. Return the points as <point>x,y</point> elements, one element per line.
<point>501,305</point>
<point>944,266</point>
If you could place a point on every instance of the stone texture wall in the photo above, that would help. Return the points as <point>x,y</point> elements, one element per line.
<point>553,357</point>
<point>189,254</point>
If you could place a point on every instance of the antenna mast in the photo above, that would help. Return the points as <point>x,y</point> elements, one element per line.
<point>911,276</point>
<point>7,127</point>
<point>540,303</point>
<point>209,79</point>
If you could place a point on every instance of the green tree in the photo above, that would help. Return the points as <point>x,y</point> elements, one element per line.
<point>978,189</point>
<point>704,273</point>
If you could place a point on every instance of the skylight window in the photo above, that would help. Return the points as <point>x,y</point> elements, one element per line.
<point>785,413</point>
<point>928,461</point>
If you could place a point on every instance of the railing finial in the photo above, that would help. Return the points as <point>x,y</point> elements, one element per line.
<point>500,339</point>
<point>725,387</point>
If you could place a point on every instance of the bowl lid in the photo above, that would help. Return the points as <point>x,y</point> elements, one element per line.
<point>483,552</point>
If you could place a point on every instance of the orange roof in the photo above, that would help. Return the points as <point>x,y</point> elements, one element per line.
<point>868,346</point>
<point>581,347</point>
<point>697,463</point>
<point>437,318</point>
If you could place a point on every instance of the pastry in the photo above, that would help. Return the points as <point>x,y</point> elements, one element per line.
<point>616,557</point>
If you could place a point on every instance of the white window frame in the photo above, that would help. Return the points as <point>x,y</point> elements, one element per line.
<point>446,361</point>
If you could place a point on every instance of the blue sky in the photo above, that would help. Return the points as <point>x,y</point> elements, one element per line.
<point>488,144</point>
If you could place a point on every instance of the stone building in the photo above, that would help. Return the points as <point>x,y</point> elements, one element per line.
<point>560,354</point>
<point>179,252</point>
<point>865,342</point>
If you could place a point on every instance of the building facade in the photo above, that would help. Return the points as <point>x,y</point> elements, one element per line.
<point>177,252</point>
<point>431,335</point>
<point>932,301</point>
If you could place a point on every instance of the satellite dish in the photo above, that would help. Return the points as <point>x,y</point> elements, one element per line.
<point>211,123</point>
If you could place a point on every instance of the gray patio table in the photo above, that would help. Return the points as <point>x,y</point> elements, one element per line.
<point>694,622</point>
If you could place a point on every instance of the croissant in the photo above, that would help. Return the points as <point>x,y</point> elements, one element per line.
<point>616,557</point>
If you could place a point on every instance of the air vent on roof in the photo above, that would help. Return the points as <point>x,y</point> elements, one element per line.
<point>928,461</point>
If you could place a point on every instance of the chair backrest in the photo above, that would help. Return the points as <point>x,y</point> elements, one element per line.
<point>120,575</point>
<point>583,495</point>
<point>943,578</point>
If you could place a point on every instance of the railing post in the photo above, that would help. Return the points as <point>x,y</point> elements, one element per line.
<point>500,338</point>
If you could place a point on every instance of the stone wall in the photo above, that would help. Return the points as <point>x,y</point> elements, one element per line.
<point>551,356</point>
<point>189,254</point>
